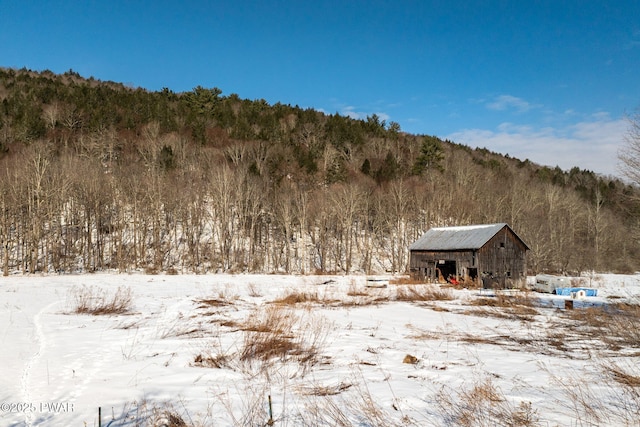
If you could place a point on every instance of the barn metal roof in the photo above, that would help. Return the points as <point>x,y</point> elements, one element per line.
<point>456,238</point>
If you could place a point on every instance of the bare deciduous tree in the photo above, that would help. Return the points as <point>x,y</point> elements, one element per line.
<point>629,155</point>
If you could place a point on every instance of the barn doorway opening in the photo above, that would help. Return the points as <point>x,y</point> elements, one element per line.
<point>472,272</point>
<point>447,269</point>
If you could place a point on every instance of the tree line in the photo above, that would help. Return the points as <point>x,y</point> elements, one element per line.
<point>95,176</point>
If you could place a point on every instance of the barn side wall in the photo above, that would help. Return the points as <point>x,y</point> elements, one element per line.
<point>503,261</point>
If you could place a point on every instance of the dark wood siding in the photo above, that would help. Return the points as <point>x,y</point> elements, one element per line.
<point>425,263</point>
<point>500,262</point>
<point>503,260</point>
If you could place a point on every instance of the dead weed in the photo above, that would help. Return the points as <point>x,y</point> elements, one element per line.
<point>96,301</point>
<point>415,293</point>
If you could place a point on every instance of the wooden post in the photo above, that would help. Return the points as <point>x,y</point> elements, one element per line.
<point>99,416</point>
<point>5,268</point>
<point>568,304</point>
<point>270,422</point>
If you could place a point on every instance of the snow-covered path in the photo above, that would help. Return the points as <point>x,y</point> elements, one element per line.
<point>40,339</point>
<point>24,338</point>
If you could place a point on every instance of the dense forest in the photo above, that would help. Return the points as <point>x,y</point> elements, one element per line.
<point>98,176</point>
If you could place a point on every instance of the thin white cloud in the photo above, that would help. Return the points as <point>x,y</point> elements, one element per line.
<point>383,116</point>
<point>351,112</point>
<point>591,144</point>
<point>509,102</point>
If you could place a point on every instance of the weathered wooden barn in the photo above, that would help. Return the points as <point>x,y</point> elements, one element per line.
<point>491,254</point>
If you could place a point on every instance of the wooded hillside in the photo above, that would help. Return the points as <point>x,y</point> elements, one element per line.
<point>95,175</point>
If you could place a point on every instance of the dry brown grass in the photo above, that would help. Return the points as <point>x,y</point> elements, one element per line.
<point>217,303</point>
<point>617,325</point>
<point>357,297</point>
<point>96,301</point>
<point>296,297</point>
<point>278,332</point>
<point>210,360</point>
<point>269,334</point>
<point>356,291</point>
<point>253,290</point>
<point>611,397</point>
<point>154,414</point>
<point>406,280</point>
<point>374,298</point>
<point>622,376</point>
<point>483,404</point>
<point>520,306</point>
<point>323,390</point>
<point>172,271</point>
<point>211,302</point>
<point>415,293</point>
<point>356,407</point>
<point>420,334</point>
<point>229,323</point>
<point>508,300</point>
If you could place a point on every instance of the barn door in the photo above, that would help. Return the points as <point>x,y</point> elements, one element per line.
<point>447,268</point>
<point>472,272</point>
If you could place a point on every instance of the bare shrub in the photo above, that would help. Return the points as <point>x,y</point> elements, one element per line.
<point>414,293</point>
<point>96,301</point>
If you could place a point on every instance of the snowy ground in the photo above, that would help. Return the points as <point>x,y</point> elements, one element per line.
<point>189,349</point>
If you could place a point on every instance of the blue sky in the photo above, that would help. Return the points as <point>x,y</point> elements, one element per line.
<point>550,81</point>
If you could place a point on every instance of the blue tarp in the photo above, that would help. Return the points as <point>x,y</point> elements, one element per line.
<point>568,291</point>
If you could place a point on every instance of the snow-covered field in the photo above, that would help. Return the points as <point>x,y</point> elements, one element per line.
<point>211,350</point>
